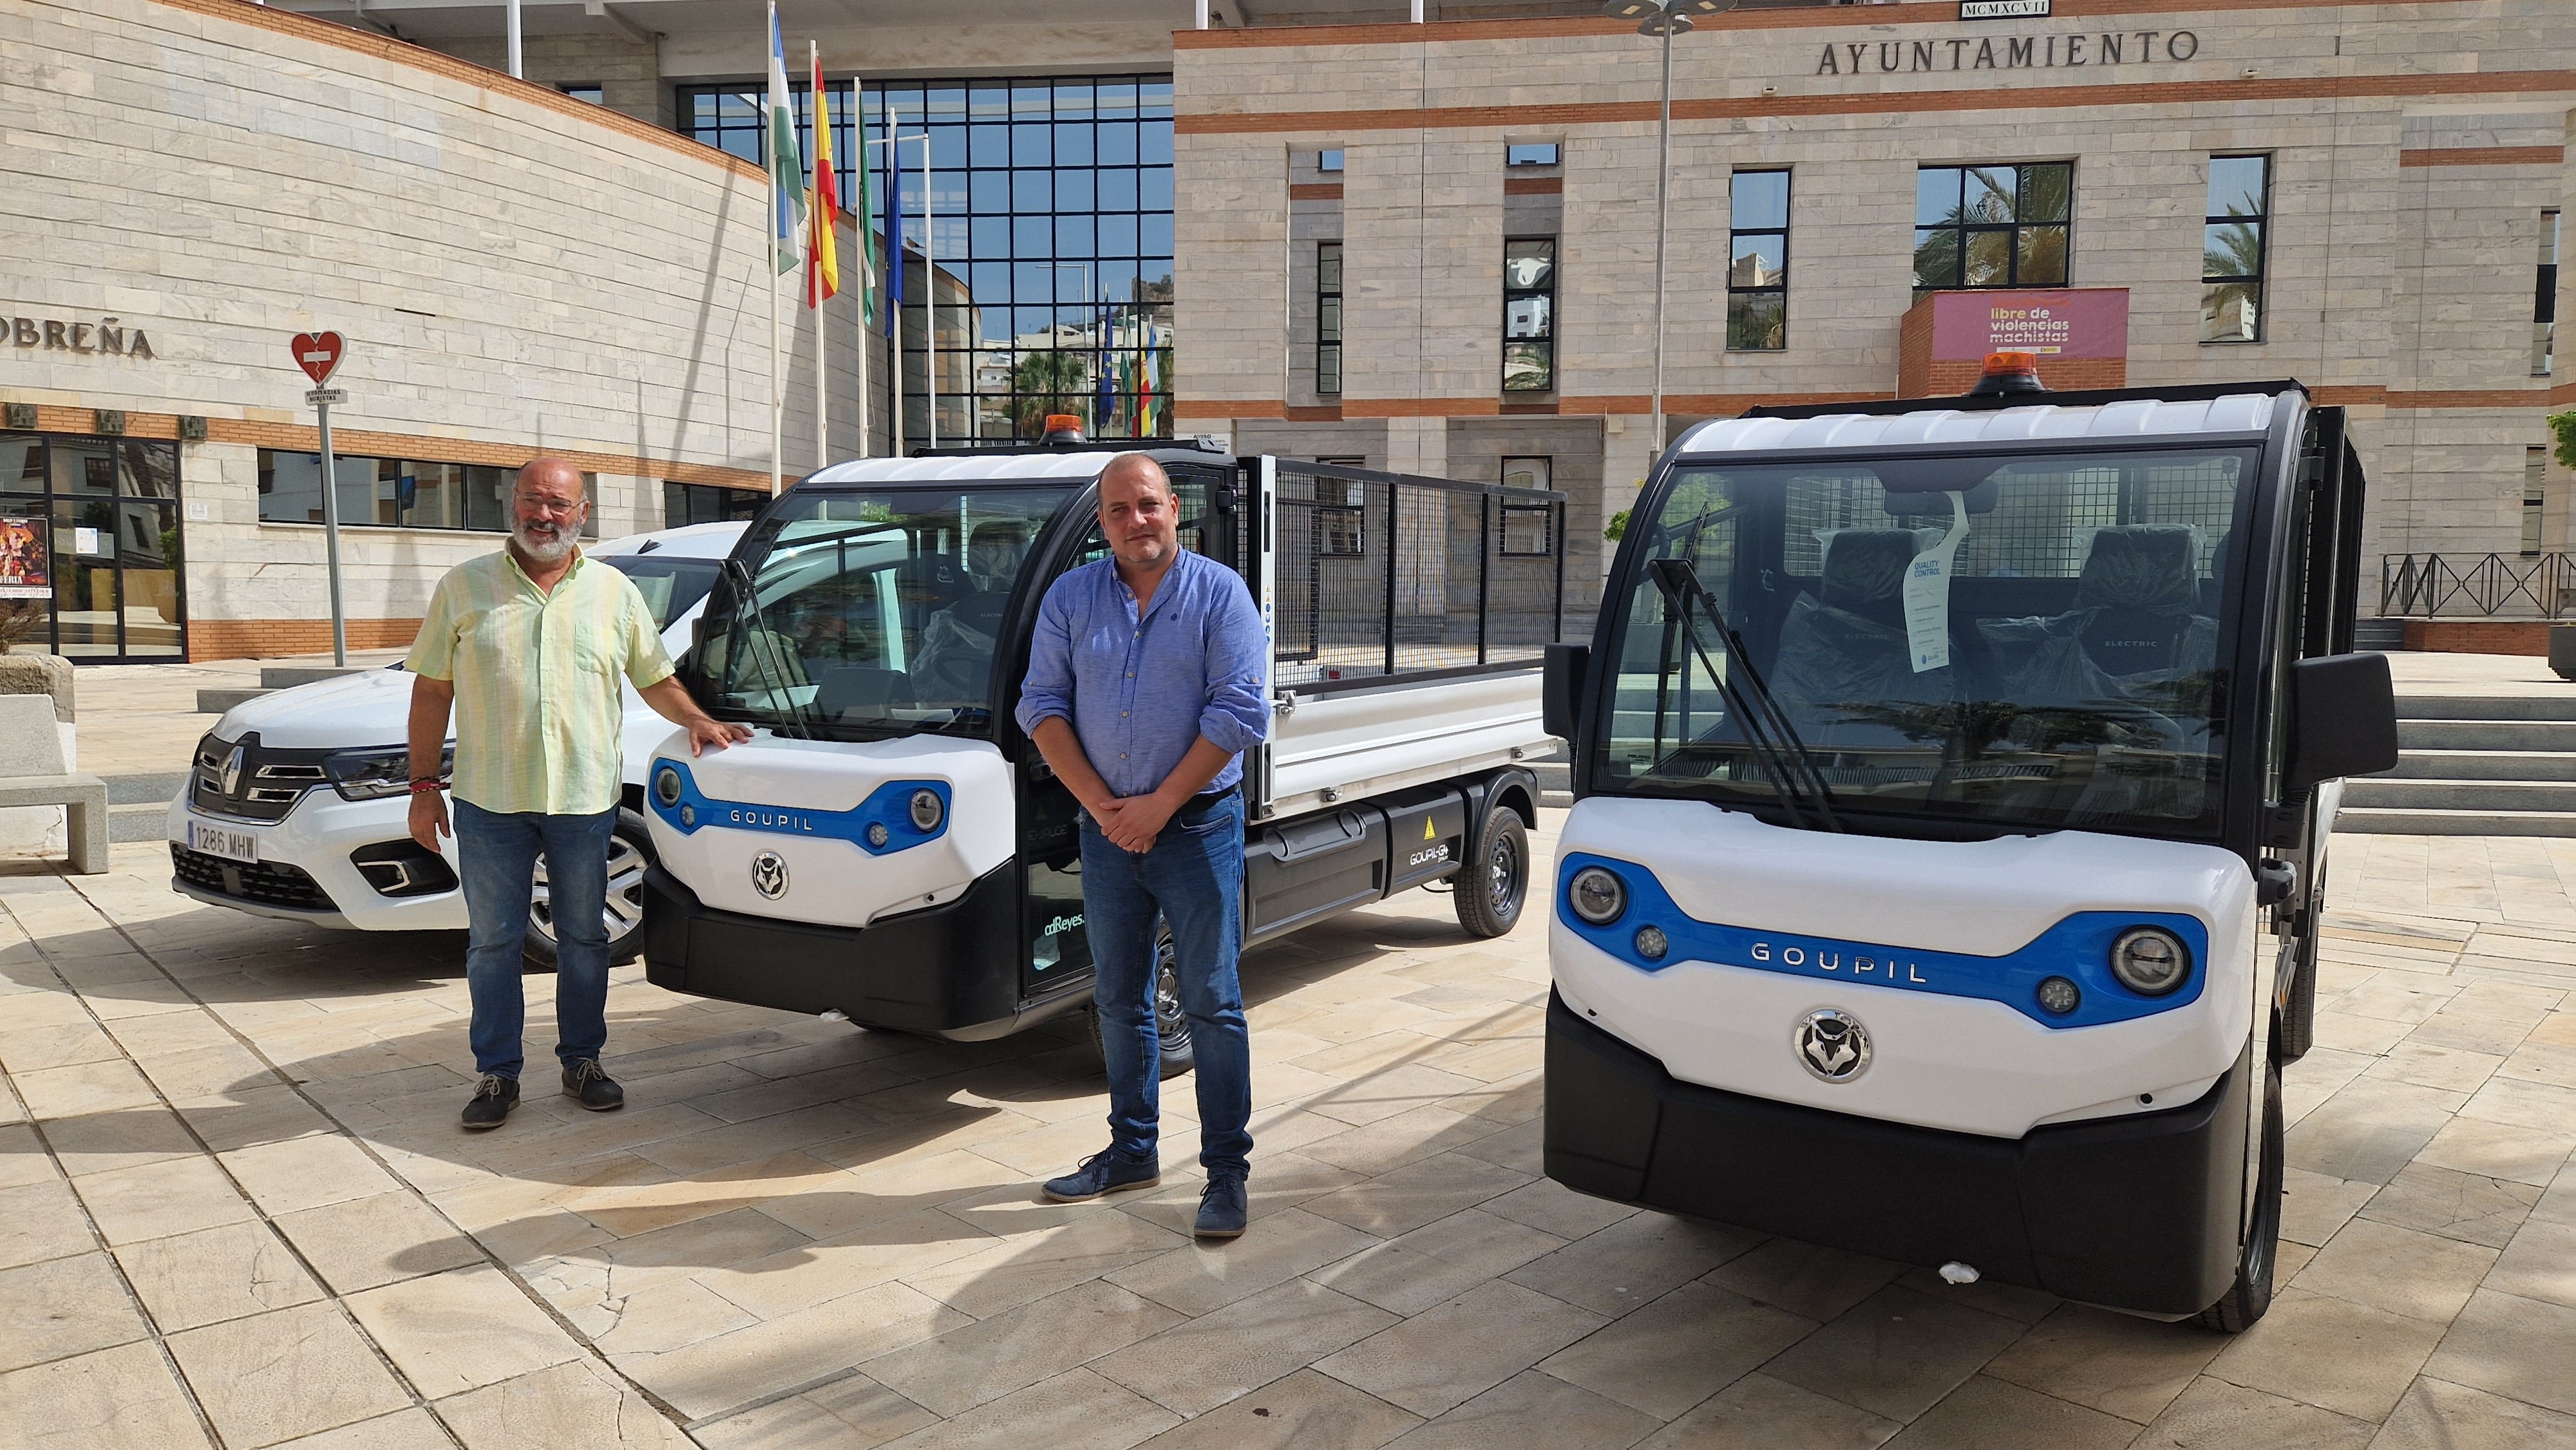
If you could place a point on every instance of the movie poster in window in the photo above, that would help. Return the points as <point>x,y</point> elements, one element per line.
<point>25,570</point>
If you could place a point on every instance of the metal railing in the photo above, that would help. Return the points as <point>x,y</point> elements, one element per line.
<point>2526,586</point>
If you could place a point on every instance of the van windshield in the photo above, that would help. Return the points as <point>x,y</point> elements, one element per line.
<point>671,585</point>
<point>2034,643</point>
<point>872,610</point>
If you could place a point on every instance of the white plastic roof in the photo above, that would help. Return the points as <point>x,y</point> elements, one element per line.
<point>966,468</point>
<point>2141,418</point>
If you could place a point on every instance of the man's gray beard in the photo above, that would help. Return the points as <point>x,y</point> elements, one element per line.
<point>543,549</point>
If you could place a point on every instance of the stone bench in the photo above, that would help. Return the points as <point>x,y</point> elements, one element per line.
<point>32,774</point>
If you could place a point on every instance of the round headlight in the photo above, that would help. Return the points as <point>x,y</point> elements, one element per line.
<point>925,810</point>
<point>878,835</point>
<point>2150,961</point>
<point>1597,895</point>
<point>2058,996</point>
<point>1652,943</point>
<point>666,786</point>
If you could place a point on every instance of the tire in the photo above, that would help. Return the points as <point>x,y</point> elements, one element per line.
<point>1492,885</point>
<point>630,850</point>
<point>2251,1294</point>
<point>1171,1024</point>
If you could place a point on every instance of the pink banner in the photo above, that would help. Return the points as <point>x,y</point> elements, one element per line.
<point>2068,323</point>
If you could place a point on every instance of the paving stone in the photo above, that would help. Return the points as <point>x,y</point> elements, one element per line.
<point>1300,1409</point>
<point>2328,1352</point>
<point>42,1220</point>
<point>1202,1363</point>
<point>2469,1207</point>
<point>1076,1410</point>
<point>359,1243</point>
<point>215,1274</point>
<point>2499,1150</point>
<point>852,1413</point>
<point>1613,1270</point>
<point>570,1404</point>
<point>1447,1355</point>
<point>1677,1350</point>
<point>2439,1415</point>
<point>157,1200</point>
<point>1805,1279</point>
<point>1200,1277</point>
<point>717,1376</point>
<point>1413,1271</point>
<point>1011,1351</point>
<point>2401,1270</point>
<point>1896,1353</point>
<point>2115,1363</point>
<point>414,1429</point>
<point>2511,1346</point>
<point>288,1372</point>
<point>1759,1412</point>
<point>123,1396</point>
<point>1534,1408</point>
<point>1405,1198</point>
<point>461,1330</point>
<point>1989,1414</point>
<point>63,1307</point>
<point>2212,1413</point>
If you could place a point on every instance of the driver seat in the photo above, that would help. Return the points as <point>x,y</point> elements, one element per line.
<point>1843,654</point>
<point>2143,586</point>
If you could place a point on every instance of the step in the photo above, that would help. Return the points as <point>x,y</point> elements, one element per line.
<point>2380,635</point>
<point>2455,823</point>
<point>139,821</point>
<point>2482,765</point>
<point>287,677</point>
<point>2487,735</point>
<point>216,702</point>
<point>2488,707</point>
<point>2383,792</point>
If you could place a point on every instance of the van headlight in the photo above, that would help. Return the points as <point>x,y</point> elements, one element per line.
<point>666,785</point>
<point>926,811</point>
<point>1597,895</point>
<point>2150,961</point>
<point>367,775</point>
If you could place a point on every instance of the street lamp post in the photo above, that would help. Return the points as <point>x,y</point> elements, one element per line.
<point>1663,19</point>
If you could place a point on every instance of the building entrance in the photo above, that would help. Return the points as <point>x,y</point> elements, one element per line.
<point>91,526</point>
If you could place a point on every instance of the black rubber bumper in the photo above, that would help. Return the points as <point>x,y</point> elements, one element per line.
<point>952,970</point>
<point>2137,1213</point>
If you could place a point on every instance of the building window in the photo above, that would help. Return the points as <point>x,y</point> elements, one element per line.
<point>590,91</point>
<point>2535,491</point>
<point>1532,154</point>
<point>2544,302</point>
<point>1341,529</point>
<point>1757,274</point>
<point>700,503</point>
<point>1328,317</point>
<point>1527,531</point>
<point>399,493</point>
<point>89,539</point>
<point>2231,249</point>
<point>729,118</point>
<point>1992,226</point>
<point>1329,160</point>
<point>1529,314</point>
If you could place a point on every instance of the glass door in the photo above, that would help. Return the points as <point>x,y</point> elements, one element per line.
<point>90,536</point>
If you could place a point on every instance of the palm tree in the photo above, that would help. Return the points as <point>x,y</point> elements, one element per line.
<point>1049,380</point>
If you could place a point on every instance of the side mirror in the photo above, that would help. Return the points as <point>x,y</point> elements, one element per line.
<point>1561,688</point>
<point>2343,720</point>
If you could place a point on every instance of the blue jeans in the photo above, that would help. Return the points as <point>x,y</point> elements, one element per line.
<point>1194,877</point>
<point>497,857</point>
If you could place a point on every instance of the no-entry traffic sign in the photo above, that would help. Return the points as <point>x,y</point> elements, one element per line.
<point>318,353</point>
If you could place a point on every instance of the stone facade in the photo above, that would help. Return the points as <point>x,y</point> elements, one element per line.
<point>516,272</point>
<point>2415,149</point>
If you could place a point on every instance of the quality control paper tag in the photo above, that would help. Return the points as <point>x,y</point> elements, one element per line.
<point>1927,593</point>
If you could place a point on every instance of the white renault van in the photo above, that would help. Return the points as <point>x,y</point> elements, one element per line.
<point>298,803</point>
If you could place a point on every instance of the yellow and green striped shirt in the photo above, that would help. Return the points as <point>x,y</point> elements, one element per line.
<point>539,716</point>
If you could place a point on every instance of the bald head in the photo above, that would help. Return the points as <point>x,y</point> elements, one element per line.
<point>1137,515</point>
<point>547,508</point>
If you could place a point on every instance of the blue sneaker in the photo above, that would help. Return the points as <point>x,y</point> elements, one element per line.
<point>1102,1173</point>
<point>1222,1209</point>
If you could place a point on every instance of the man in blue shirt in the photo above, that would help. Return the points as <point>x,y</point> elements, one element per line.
<point>1147,681</point>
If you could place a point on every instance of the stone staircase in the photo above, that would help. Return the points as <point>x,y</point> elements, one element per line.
<point>2474,765</point>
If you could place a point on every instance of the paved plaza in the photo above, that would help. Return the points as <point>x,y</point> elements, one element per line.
<point>238,1210</point>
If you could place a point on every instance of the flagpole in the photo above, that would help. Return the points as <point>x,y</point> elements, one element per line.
<point>867,252</point>
<point>769,271</point>
<point>929,281</point>
<point>814,271</point>
<point>894,259</point>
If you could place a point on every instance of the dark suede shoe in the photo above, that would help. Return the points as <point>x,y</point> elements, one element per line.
<point>493,1099</point>
<point>1222,1209</point>
<point>597,1090</point>
<point>1101,1173</point>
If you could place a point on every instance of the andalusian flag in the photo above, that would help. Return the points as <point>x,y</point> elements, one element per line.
<point>871,261</point>
<point>786,164</point>
<point>823,256</point>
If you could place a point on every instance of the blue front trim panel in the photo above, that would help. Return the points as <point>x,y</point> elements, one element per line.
<point>889,805</point>
<point>2077,948</point>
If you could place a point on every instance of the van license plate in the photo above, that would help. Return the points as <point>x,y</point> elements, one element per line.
<point>216,840</point>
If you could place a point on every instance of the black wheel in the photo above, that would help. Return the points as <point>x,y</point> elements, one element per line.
<point>630,850</point>
<point>2251,1294</point>
<point>1493,883</point>
<point>1171,1024</point>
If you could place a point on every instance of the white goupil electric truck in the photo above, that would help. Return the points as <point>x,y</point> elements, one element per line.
<point>1953,780</point>
<point>890,847</point>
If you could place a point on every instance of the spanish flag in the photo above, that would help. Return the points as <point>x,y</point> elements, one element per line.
<point>822,258</point>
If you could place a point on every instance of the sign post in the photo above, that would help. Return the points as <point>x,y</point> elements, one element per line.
<point>318,353</point>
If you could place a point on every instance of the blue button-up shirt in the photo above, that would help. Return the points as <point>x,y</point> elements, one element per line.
<point>1140,692</point>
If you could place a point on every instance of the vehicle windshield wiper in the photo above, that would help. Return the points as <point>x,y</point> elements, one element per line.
<point>747,628</point>
<point>1765,725</point>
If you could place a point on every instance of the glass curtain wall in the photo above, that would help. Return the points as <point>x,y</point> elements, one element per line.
<point>89,536</point>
